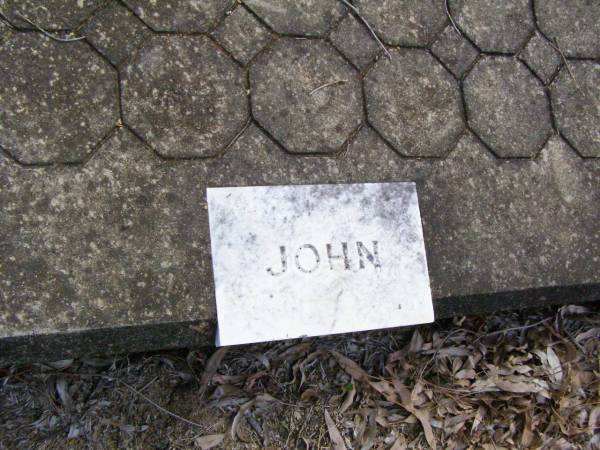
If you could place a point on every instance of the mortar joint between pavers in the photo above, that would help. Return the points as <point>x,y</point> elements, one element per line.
<point>215,23</point>
<point>53,164</point>
<point>572,147</point>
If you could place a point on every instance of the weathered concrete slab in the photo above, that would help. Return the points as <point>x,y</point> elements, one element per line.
<point>108,145</point>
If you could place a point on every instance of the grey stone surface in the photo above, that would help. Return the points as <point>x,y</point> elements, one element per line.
<point>414,103</point>
<point>111,242</point>
<point>110,252</point>
<point>456,52</point>
<point>507,107</point>
<point>575,24</point>
<point>306,95</point>
<point>181,108</point>
<point>298,17</point>
<point>541,57</point>
<point>576,105</point>
<point>181,15</point>
<point>48,14</point>
<point>404,22</point>
<point>482,230</point>
<point>5,31</point>
<point>57,100</point>
<point>242,35</point>
<point>494,26</point>
<point>115,32</point>
<point>131,227</point>
<point>355,41</point>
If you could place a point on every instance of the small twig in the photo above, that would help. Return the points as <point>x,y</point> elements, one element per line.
<point>560,323</point>
<point>136,392</point>
<point>147,385</point>
<point>46,33</point>
<point>556,47</point>
<point>355,9</point>
<point>450,17</point>
<point>237,136</point>
<point>508,330</point>
<point>4,20</point>
<point>156,405</point>
<point>439,347</point>
<point>331,83</point>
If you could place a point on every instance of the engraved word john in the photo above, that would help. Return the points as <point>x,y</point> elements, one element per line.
<point>307,259</point>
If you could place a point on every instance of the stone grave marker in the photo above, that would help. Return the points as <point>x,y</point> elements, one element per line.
<point>294,261</point>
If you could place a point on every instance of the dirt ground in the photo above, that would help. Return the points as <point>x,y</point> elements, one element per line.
<point>515,380</point>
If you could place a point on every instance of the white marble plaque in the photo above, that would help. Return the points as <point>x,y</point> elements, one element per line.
<point>294,261</point>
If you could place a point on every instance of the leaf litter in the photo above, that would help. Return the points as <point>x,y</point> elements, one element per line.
<point>512,380</point>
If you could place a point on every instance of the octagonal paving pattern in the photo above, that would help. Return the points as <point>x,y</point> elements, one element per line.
<point>57,100</point>
<point>181,15</point>
<point>414,103</point>
<point>404,22</point>
<point>306,96</point>
<point>48,14</point>
<point>494,26</point>
<point>507,107</point>
<point>576,100</point>
<point>298,17</point>
<point>185,110</point>
<point>181,108</point>
<point>573,24</point>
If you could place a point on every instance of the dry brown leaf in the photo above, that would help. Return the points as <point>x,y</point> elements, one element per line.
<point>353,369</point>
<point>334,434</point>
<point>260,400</point>
<point>465,374</point>
<point>402,391</point>
<point>228,379</point>
<point>238,417</point>
<point>263,399</point>
<point>527,435</point>
<point>294,352</point>
<point>227,390</point>
<point>62,389</point>
<point>400,444</point>
<point>449,351</point>
<point>62,364</point>
<point>421,415</point>
<point>348,400</point>
<point>309,358</point>
<point>521,385</point>
<point>309,394</point>
<point>591,333</point>
<point>452,424</point>
<point>252,379</point>
<point>211,368</point>
<point>416,342</point>
<point>386,389</point>
<point>368,438</point>
<point>570,310</point>
<point>555,369</point>
<point>593,421</point>
<point>208,441</point>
